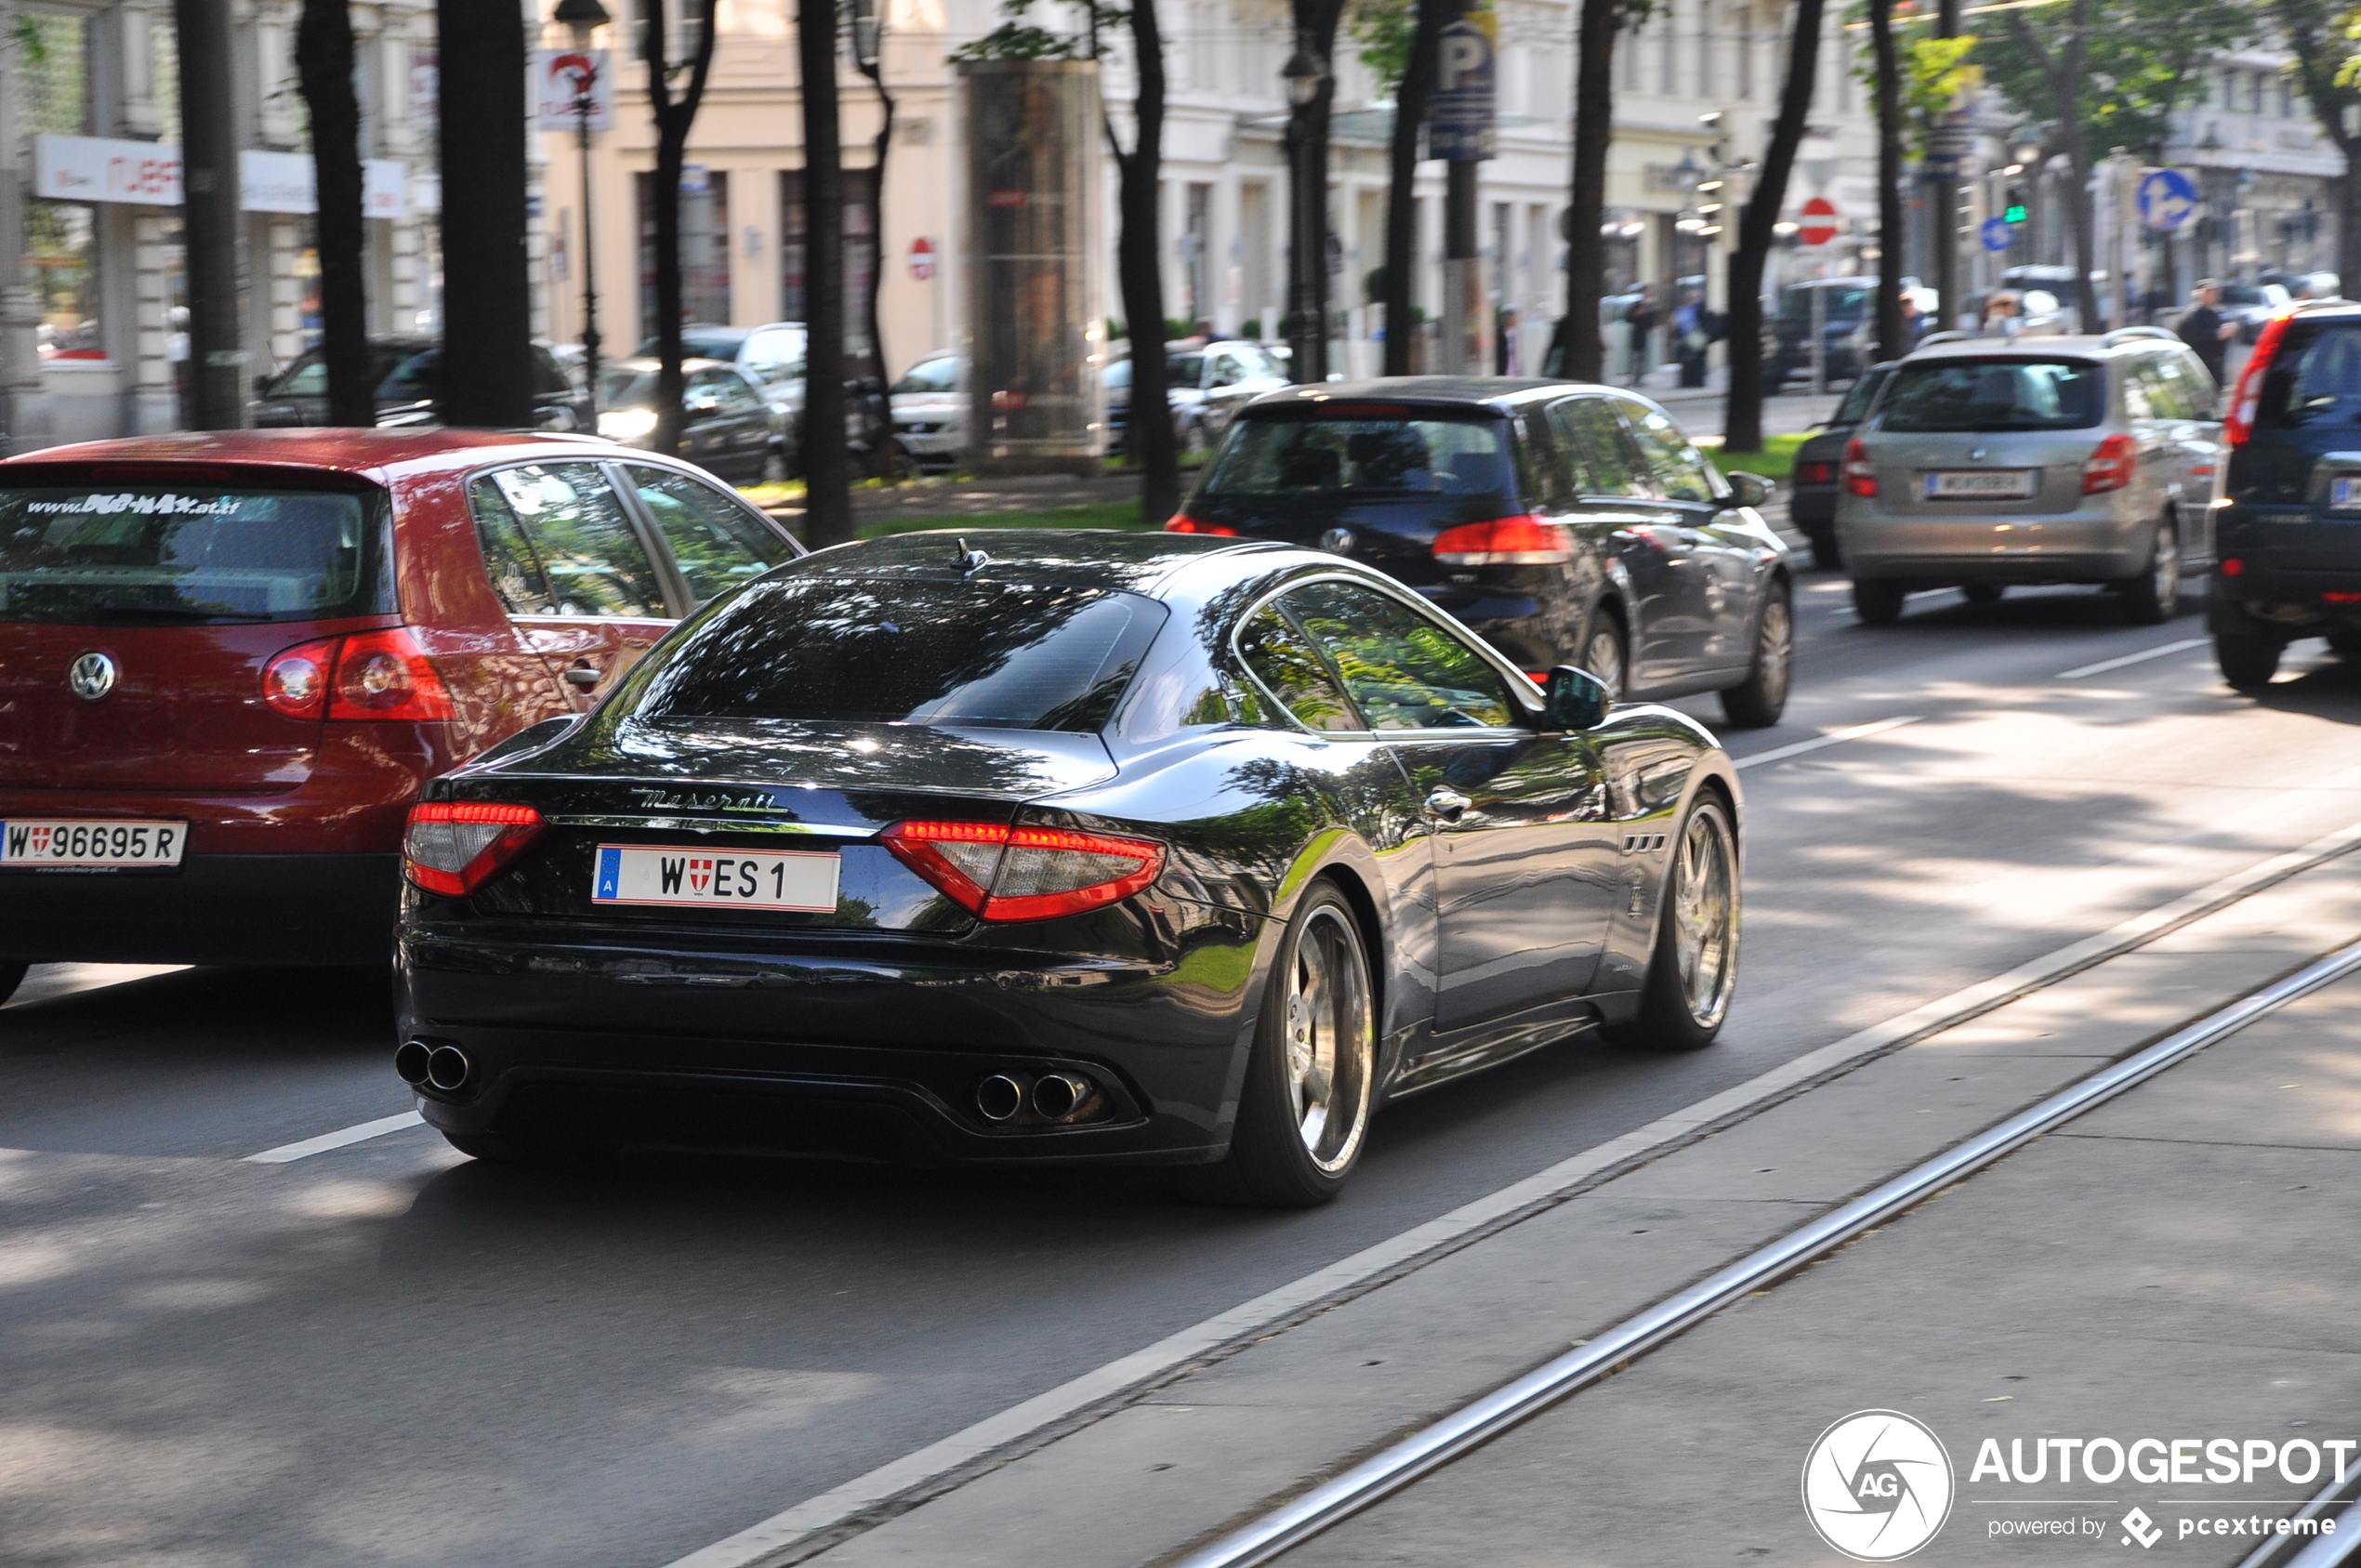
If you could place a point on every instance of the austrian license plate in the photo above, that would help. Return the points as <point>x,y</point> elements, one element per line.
<point>36,843</point>
<point>2344,494</point>
<point>791,879</point>
<point>1980,484</point>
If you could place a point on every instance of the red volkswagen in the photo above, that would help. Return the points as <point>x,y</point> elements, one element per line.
<point>228,661</point>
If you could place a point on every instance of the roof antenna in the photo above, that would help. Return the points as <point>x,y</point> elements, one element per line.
<point>971,559</point>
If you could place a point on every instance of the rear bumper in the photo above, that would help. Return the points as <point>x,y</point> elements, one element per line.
<point>215,909</point>
<point>2294,574</point>
<point>2092,547</point>
<point>1812,507</point>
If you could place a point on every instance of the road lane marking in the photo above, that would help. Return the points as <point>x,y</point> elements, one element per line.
<point>1834,737</point>
<point>903,1484</point>
<point>2106,664</point>
<point>286,1153</point>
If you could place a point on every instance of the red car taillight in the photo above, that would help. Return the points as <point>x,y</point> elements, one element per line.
<point>1181,523</point>
<point>1024,872</point>
<point>295,682</point>
<point>1504,541</point>
<point>1815,473</point>
<point>1860,474</point>
<point>454,847</point>
<point>385,675</point>
<point>2112,466</point>
<point>371,675</point>
<point>2246,402</point>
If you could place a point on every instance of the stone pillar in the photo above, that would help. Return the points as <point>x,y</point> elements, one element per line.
<point>285,324</point>
<point>155,396</point>
<point>24,408</point>
<point>135,40</point>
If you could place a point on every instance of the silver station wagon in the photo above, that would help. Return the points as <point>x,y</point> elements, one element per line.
<point>2037,460</point>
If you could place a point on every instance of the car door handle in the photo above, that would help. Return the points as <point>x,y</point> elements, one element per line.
<point>1448,804</point>
<point>582,675</point>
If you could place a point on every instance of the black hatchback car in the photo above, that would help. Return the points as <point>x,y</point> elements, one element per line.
<point>1819,466</point>
<point>409,382</point>
<point>1565,523</point>
<point>2287,546</point>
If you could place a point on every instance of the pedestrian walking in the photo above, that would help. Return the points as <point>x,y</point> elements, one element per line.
<point>1692,333</point>
<point>2206,329</point>
<point>1642,318</point>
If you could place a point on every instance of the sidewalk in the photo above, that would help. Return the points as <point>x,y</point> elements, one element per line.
<point>2178,1262</point>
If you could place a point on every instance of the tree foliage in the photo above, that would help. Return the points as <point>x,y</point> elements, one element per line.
<point>2141,62</point>
<point>1384,29</point>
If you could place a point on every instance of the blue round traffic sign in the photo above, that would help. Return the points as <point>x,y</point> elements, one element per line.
<point>1998,233</point>
<point>2167,200</point>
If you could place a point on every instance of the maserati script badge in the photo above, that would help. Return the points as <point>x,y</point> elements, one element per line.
<point>91,676</point>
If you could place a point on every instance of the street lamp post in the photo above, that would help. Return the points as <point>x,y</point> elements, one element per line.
<point>1305,74</point>
<point>581,19</point>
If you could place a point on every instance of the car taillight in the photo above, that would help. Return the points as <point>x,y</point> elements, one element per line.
<point>2246,402</point>
<point>295,682</point>
<point>1504,541</point>
<point>454,847</point>
<point>1860,474</point>
<point>1815,473</point>
<point>999,873</point>
<point>2112,466</point>
<point>385,675</point>
<point>1181,523</point>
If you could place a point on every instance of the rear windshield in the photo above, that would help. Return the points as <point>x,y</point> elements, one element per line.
<point>882,652</point>
<point>1375,456</point>
<point>1865,393</point>
<point>2314,378</point>
<point>1964,395</point>
<point>162,555</point>
<point>1842,300</point>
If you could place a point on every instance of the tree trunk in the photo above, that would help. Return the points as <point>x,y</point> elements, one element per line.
<point>487,301</point>
<point>1307,144</point>
<point>324,64</point>
<point>885,457</point>
<point>1402,199</point>
<point>1891,345</point>
<point>2316,65</point>
<point>827,468</point>
<point>1742,426</point>
<point>674,117</point>
<point>2082,222</point>
<point>1148,437</point>
<point>2064,74</point>
<point>1583,358</point>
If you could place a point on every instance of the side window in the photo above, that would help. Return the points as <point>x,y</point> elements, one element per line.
<point>1183,371</point>
<point>2139,391</point>
<point>1227,372</point>
<point>1593,450</point>
<point>703,393</point>
<point>715,543</point>
<point>1402,670</point>
<point>548,376</point>
<point>2204,396</point>
<point>509,556</point>
<point>1537,482</point>
<point>2186,396</point>
<point>1680,472</point>
<point>1285,661</point>
<point>738,395</point>
<point>774,355</point>
<point>595,563</point>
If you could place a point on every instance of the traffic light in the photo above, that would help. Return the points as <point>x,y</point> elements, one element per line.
<point>2014,211</point>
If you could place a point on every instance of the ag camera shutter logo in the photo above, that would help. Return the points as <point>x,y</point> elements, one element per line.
<point>1878,1485</point>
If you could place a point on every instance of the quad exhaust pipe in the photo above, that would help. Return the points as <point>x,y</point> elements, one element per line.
<point>1002,1097</point>
<point>1057,1095</point>
<point>443,1067</point>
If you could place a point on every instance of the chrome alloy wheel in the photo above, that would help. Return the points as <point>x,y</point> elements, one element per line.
<point>1603,656</point>
<point>1774,651</point>
<point>1704,898</point>
<point>2165,569</point>
<point>1330,1039</point>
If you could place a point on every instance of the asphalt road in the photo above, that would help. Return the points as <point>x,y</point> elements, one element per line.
<point>389,1354</point>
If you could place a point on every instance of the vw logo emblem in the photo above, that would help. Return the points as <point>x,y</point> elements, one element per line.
<point>91,676</point>
<point>1337,541</point>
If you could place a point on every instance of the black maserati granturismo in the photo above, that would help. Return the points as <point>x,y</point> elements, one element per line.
<point>1127,846</point>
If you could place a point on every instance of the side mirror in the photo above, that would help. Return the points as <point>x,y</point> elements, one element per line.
<point>1748,490</point>
<point>1576,699</point>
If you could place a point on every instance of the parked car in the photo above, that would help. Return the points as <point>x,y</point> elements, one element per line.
<point>731,431</point>
<point>2254,304</point>
<point>228,661</point>
<point>1096,846</point>
<point>408,373</point>
<point>1846,304</point>
<point>1208,385</point>
<point>2290,561</point>
<point>772,356</point>
<point>1812,494</point>
<point>1988,463</point>
<point>1567,523</point>
<point>931,412</point>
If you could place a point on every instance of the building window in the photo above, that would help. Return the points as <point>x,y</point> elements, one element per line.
<point>705,250</point>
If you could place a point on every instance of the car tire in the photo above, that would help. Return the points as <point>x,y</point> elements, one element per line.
<point>2247,662</point>
<point>1693,966</point>
<point>1320,1008</point>
<point>1983,595</point>
<point>11,975</point>
<point>1607,653</point>
<point>2154,597</point>
<point>1877,600</point>
<point>1757,702</point>
<point>1826,553</point>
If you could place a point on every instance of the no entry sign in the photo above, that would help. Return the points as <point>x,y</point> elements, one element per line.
<point>1819,224</point>
<point>922,258</point>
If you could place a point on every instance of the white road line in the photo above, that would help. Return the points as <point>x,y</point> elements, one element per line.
<point>1857,732</point>
<point>337,1140</point>
<point>2106,664</point>
<point>918,1474</point>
